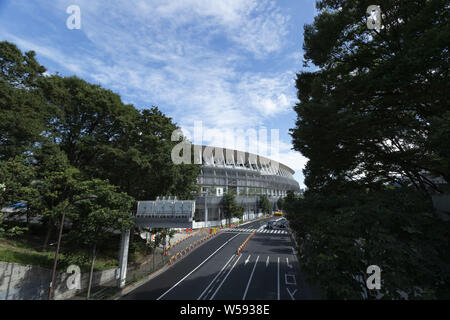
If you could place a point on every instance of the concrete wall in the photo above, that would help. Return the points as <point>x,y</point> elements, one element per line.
<point>21,282</point>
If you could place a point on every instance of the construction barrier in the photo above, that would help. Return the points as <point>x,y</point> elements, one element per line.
<point>177,256</point>
<point>242,246</point>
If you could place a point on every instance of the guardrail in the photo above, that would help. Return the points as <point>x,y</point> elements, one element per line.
<point>212,232</point>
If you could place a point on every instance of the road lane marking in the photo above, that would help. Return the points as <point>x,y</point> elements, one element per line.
<point>220,272</point>
<point>294,282</point>
<point>278,279</point>
<point>291,294</point>
<point>231,269</point>
<point>248,258</point>
<point>176,284</point>
<point>287,262</point>
<point>250,279</point>
<point>267,261</point>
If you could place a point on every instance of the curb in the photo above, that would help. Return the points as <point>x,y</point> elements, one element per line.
<point>126,290</point>
<point>131,287</point>
<point>178,256</point>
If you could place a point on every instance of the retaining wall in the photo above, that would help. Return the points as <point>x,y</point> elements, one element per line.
<point>22,282</point>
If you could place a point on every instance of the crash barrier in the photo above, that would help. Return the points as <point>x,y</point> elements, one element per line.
<point>180,254</point>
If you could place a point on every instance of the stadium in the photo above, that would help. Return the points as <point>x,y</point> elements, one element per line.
<point>248,175</point>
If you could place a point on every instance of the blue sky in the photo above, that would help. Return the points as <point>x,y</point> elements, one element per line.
<point>228,63</point>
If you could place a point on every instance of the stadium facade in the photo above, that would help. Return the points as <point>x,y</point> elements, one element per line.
<point>248,175</point>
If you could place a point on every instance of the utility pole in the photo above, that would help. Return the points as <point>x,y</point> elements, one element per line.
<point>91,271</point>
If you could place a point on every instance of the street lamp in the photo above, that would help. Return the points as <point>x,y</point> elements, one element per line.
<point>50,290</point>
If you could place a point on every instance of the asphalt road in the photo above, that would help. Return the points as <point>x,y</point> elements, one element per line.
<point>266,269</point>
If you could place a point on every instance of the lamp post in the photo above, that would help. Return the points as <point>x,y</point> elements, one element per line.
<point>55,261</point>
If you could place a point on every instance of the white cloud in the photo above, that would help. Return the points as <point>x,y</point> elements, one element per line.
<point>188,56</point>
<point>258,140</point>
<point>160,51</point>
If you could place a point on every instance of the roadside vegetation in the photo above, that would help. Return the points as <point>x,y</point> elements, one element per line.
<point>64,140</point>
<point>374,122</point>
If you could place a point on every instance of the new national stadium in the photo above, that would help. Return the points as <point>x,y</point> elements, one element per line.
<point>248,175</point>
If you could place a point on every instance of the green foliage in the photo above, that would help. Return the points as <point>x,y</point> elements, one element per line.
<point>374,116</point>
<point>238,211</point>
<point>17,177</point>
<point>17,69</point>
<point>109,140</point>
<point>42,259</point>
<point>341,235</point>
<point>62,138</point>
<point>23,113</point>
<point>280,203</point>
<point>68,259</point>
<point>92,219</point>
<point>56,184</point>
<point>229,205</point>
<point>376,111</point>
<point>265,204</point>
<point>10,232</point>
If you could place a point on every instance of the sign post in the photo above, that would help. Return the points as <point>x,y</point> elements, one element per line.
<point>123,260</point>
<point>162,213</point>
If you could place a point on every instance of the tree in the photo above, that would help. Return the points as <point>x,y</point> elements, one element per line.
<point>94,220</point>
<point>374,113</point>
<point>238,211</point>
<point>265,204</point>
<point>70,133</point>
<point>22,110</point>
<point>341,235</point>
<point>16,177</point>
<point>18,181</point>
<point>230,207</point>
<point>56,183</point>
<point>371,120</point>
<point>107,139</point>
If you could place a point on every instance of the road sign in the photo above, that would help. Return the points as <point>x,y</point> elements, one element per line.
<point>165,213</point>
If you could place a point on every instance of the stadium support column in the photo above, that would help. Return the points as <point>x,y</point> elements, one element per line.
<point>123,259</point>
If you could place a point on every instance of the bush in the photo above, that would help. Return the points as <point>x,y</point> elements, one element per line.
<point>342,234</point>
